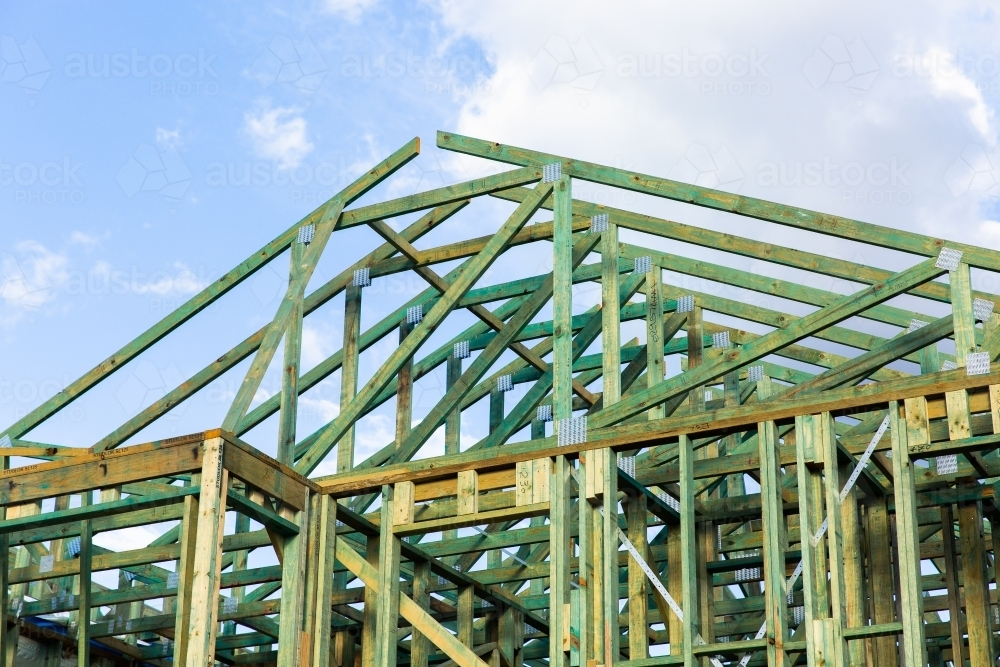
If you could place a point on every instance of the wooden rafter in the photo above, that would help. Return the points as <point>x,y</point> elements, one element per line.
<point>717,442</point>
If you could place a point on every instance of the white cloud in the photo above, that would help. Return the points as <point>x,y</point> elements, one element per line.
<point>162,283</point>
<point>350,9</point>
<point>168,139</point>
<point>952,82</point>
<point>87,240</point>
<point>317,344</point>
<point>322,409</point>
<point>372,433</point>
<point>30,277</point>
<point>989,234</point>
<point>125,539</point>
<point>278,134</point>
<point>674,77</point>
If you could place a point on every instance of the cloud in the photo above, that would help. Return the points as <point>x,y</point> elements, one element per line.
<point>168,139</point>
<point>953,83</point>
<point>322,409</point>
<point>350,9</point>
<point>729,89</point>
<point>86,240</point>
<point>30,278</point>
<point>163,283</point>
<point>317,344</point>
<point>989,234</point>
<point>278,134</point>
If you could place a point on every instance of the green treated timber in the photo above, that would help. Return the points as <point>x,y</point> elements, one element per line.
<point>422,432</point>
<point>477,393</point>
<point>427,299</point>
<point>863,365</point>
<point>200,301</point>
<point>250,345</point>
<point>538,231</point>
<point>115,626</point>
<point>439,196</point>
<point>497,436</point>
<point>222,643</point>
<point>473,270</point>
<point>290,306</point>
<point>707,238</point>
<point>580,343</point>
<point>821,358</point>
<point>802,328</point>
<point>370,337</point>
<point>479,339</point>
<point>99,524</point>
<point>149,591</point>
<point>262,515</point>
<point>823,223</point>
<point>767,285</point>
<point>130,504</point>
<point>136,558</point>
<point>779,320</point>
<point>413,552</point>
<point>646,433</point>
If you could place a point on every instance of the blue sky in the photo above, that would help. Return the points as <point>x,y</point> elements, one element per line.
<point>147,148</point>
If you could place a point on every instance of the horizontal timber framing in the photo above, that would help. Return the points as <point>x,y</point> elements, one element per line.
<point>617,470</point>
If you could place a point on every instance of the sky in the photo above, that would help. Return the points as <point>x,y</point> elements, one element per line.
<point>146,149</point>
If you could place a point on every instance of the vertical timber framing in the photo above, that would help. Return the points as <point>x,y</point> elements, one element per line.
<point>562,410</point>
<point>925,491</point>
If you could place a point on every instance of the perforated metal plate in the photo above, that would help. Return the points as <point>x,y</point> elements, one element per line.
<point>362,277</point>
<point>415,314</point>
<point>685,304</point>
<point>627,465</point>
<point>671,502</point>
<point>46,563</point>
<point>505,383</point>
<point>572,431</point>
<point>948,259</point>
<point>73,548</point>
<point>642,264</point>
<point>982,309</point>
<point>977,363</point>
<point>461,350</point>
<point>551,172</point>
<point>306,234</point>
<point>599,223</point>
<point>947,465</point>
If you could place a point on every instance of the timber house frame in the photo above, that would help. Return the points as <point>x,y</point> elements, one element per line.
<point>770,503</point>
